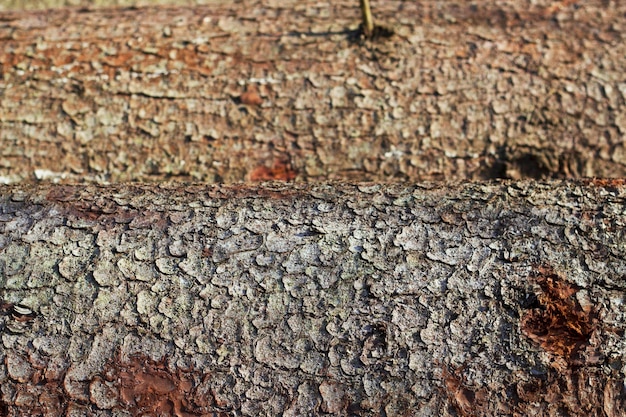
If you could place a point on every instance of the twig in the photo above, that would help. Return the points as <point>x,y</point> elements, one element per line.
<point>368,23</point>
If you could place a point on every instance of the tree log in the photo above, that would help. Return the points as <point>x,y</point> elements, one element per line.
<point>493,299</point>
<point>258,90</point>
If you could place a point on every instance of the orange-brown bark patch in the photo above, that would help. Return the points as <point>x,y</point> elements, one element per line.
<point>251,97</point>
<point>559,325</point>
<point>280,171</point>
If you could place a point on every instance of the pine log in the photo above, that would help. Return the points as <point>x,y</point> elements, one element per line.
<point>496,299</point>
<point>258,90</point>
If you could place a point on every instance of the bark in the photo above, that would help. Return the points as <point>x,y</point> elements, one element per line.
<point>493,299</point>
<point>48,4</point>
<point>256,90</point>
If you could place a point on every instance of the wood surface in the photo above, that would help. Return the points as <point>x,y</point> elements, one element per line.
<point>397,297</point>
<point>499,299</point>
<point>258,90</point>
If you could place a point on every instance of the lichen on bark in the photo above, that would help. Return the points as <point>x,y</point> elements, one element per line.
<point>305,300</point>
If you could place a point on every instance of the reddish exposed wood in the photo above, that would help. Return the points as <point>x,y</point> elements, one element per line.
<point>559,323</point>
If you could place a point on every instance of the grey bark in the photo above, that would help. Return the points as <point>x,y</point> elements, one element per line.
<point>369,300</point>
<point>483,89</point>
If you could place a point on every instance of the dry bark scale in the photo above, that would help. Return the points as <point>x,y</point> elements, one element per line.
<point>492,299</point>
<point>252,90</point>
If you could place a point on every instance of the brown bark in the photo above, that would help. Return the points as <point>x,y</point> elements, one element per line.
<point>474,300</point>
<point>7,5</point>
<point>478,89</point>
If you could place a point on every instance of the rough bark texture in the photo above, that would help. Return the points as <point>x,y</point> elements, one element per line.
<point>47,4</point>
<point>257,90</point>
<point>331,299</point>
<point>365,300</point>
